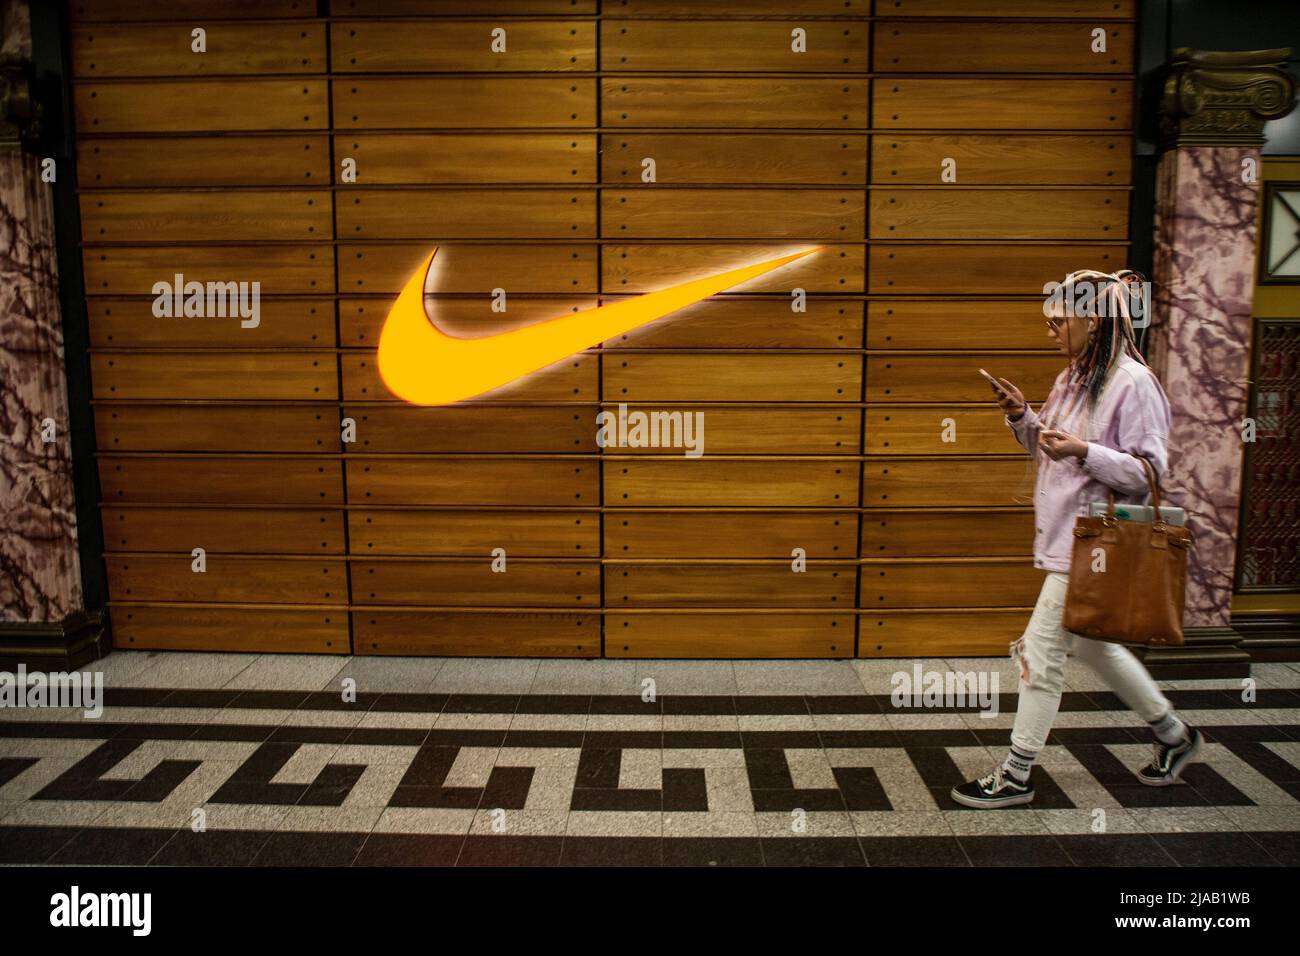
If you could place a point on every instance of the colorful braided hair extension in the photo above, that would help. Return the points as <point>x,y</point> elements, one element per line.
<point>1113,337</point>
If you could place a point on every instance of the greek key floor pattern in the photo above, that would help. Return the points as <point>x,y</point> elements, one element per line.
<point>246,759</point>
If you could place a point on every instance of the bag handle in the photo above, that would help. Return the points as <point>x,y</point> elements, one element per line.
<point>1158,522</point>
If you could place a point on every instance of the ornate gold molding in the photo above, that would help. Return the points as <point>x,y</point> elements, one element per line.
<point>19,113</point>
<point>1224,99</point>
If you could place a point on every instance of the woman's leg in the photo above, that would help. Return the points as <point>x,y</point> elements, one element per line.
<point>1042,653</point>
<point>1125,675</point>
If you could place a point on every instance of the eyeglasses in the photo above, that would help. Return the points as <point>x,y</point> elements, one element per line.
<point>1055,324</point>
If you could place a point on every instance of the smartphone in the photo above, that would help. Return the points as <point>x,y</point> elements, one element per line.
<point>994,382</point>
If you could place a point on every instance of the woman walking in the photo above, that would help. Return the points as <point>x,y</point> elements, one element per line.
<point>1105,408</point>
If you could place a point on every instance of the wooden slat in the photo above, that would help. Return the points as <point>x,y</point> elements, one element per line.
<point>957,324</point>
<point>1010,8</point>
<point>519,268</point>
<point>689,377</point>
<point>663,212</point>
<point>110,10</point>
<point>464,102</point>
<point>749,322</point>
<point>513,157</point>
<point>760,46</point>
<point>474,428</point>
<point>720,534</point>
<point>290,160</point>
<point>957,212</point>
<point>573,380</point>
<point>478,480</point>
<point>991,582</point>
<point>1045,160</point>
<point>697,8</point>
<point>946,483</point>
<point>216,428</point>
<point>226,214</point>
<point>167,106</point>
<point>968,103</point>
<point>206,628</point>
<point>104,50</point>
<point>467,213</point>
<point>728,585</point>
<point>948,377</point>
<point>984,268</point>
<point>467,634</point>
<point>360,319</point>
<point>714,481</point>
<point>120,322</point>
<point>767,635</point>
<point>967,633</point>
<point>237,580</point>
<point>215,375</point>
<point>962,46</point>
<point>241,530</point>
<point>462,46</point>
<point>935,532</point>
<point>281,269</point>
<point>766,429</point>
<point>473,583</point>
<point>922,429</point>
<point>468,533</point>
<point>749,159</point>
<point>647,266</point>
<point>451,8</point>
<point>734,102</point>
<point>254,480</point>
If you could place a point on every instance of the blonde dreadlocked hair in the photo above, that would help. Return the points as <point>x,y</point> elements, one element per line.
<point>1113,337</point>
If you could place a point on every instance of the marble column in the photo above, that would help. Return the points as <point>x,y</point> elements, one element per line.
<point>1212,118</point>
<point>42,621</point>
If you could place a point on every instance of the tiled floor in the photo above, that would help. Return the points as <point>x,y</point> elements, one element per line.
<point>238,759</point>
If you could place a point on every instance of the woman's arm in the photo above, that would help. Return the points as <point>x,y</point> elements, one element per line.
<point>1026,428</point>
<point>1143,418</point>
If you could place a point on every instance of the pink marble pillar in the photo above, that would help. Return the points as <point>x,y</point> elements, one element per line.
<point>40,580</point>
<point>1206,205</point>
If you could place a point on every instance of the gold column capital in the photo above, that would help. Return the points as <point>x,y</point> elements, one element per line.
<point>1224,98</point>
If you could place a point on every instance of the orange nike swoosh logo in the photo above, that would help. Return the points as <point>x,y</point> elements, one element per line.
<point>423,365</point>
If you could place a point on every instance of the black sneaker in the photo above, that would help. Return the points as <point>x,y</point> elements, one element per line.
<point>1168,761</point>
<point>998,789</point>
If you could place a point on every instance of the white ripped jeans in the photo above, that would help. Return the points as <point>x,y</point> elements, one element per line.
<point>1042,652</point>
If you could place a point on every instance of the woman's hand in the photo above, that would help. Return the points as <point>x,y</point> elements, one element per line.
<point>1009,399</point>
<point>1058,444</point>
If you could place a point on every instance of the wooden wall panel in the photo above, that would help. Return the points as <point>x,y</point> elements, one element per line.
<point>1032,47</point>
<point>296,160</point>
<point>230,530</point>
<point>524,583</point>
<point>749,159</point>
<point>200,627</point>
<point>463,102</point>
<point>1003,160</point>
<point>105,50</point>
<point>706,376</point>
<point>229,579</point>
<point>468,213</point>
<point>476,633</point>
<point>462,46</point>
<point>324,154</point>
<point>833,46</point>
<point>389,159</point>
<point>723,533</point>
<point>161,427</point>
<point>464,532</point>
<point>184,106</point>
<point>702,635</point>
<point>121,322</point>
<point>174,216</point>
<point>473,481</point>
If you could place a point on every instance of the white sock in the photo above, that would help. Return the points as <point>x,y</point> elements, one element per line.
<point>1170,729</point>
<point>1018,765</point>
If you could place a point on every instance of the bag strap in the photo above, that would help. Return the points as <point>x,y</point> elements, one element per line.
<point>1153,484</point>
